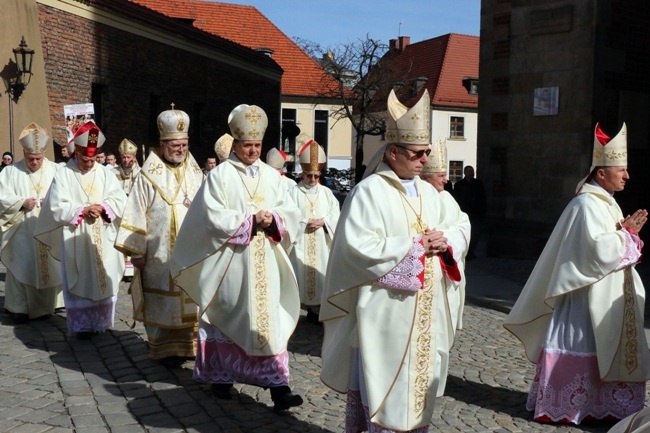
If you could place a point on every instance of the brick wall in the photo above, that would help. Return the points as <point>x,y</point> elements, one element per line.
<point>135,78</point>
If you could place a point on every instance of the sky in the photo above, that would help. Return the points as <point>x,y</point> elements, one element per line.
<point>333,22</point>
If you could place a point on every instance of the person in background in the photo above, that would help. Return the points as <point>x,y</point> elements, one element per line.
<point>155,210</point>
<point>101,157</point>
<point>209,164</point>
<point>456,227</point>
<point>33,278</point>
<point>469,192</point>
<point>320,214</point>
<point>128,168</point>
<point>7,160</point>
<point>78,223</point>
<point>580,315</point>
<point>384,308</point>
<point>276,158</point>
<point>229,260</point>
<point>111,159</point>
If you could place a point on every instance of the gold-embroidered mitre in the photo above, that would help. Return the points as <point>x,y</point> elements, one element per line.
<point>437,162</point>
<point>127,147</point>
<point>173,124</point>
<point>312,156</point>
<point>34,139</point>
<point>247,122</point>
<point>276,158</point>
<point>609,153</point>
<point>408,126</point>
<point>223,146</point>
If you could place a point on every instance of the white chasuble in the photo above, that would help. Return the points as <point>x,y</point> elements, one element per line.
<point>402,336</point>
<point>583,253</point>
<point>93,267</point>
<point>127,178</point>
<point>29,261</point>
<point>310,250</point>
<point>247,291</point>
<point>154,212</point>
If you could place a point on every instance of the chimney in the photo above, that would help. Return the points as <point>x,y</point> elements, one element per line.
<point>392,44</point>
<point>404,42</point>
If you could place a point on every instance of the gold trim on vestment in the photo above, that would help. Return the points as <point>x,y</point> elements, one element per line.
<point>96,229</point>
<point>629,322</point>
<point>133,229</point>
<point>261,294</point>
<point>43,256</point>
<point>311,265</point>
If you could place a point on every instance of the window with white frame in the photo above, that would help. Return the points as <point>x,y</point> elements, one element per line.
<point>456,127</point>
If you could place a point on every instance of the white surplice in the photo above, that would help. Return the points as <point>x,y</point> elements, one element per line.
<point>33,276</point>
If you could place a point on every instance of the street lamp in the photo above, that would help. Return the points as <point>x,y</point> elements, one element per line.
<point>23,56</point>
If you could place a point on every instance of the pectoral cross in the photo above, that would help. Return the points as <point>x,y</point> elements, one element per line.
<point>38,188</point>
<point>312,207</point>
<point>255,200</point>
<point>419,226</point>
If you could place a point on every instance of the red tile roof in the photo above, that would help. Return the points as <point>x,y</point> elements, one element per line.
<point>247,26</point>
<point>445,61</point>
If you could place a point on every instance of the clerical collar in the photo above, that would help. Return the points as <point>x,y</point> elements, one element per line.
<point>409,186</point>
<point>253,169</point>
<point>608,194</point>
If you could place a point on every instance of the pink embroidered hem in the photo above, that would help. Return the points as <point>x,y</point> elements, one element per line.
<point>85,315</point>
<point>357,417</point>
<point>567,388</point>
<point>219,360</point>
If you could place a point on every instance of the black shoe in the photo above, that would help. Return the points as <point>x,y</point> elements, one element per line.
<point>172,361</point>
<point>19,318</point>
<point>84,335</point>
<point>222,390</point>
<point>284,399</point>
<point>312,317</point>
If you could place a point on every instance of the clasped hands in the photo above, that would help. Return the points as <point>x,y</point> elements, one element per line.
<point>434,242</point>
<point>92,211</point>
<point>314,224</point>
<point>636,221</point>
<point>264,219</point>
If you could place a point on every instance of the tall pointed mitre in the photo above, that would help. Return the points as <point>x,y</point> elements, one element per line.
<point>223,146</point>
<point>89,138</point>
<point>34,139</point>
<point>607,152</point>
<point>248,122</point>
<point>276,158</point>
<point>437,162</point>
<point>312,156</point>
<point>408,126</point>
<point>127,147</point>
<point>173,124</point>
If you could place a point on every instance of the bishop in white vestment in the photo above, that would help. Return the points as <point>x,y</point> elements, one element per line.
<point>78,223</point>
<point>155,210</point>
<point>384,308</point>
<point>580,314</point>
<point>229,260</point>
<point>33,277</point>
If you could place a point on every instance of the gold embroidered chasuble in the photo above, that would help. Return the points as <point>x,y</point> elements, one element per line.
<point>403,336</point>
<point>249,292</point>
<point>311,250</point>
<point>152,218</point>
<point>127,180</point>
<point>28,260</point>
<point>582,254</point>
<point>93,267</point>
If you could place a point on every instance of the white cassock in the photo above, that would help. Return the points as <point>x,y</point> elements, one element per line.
<point>243,282</point>
<point>457,229</point>
<point>33,276</point>
<point>580,316</point>
<point>91,268</point>
<point>154,212</point>
<point>310,251</point>
<point>384,310</point>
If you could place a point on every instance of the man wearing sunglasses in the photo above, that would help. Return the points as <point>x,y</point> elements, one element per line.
<point>387,326</point>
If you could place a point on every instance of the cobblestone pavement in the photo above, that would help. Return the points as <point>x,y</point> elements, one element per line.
<point>53,383</point>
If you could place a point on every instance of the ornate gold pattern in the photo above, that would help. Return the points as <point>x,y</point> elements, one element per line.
<point>423,322</point>
<point>311,265</point>
<point>629,322</point>
<point>96,228</point>
<point>43,253</point>
<point>156,169</point>
<point>611,155</point>
<point>261,295</point>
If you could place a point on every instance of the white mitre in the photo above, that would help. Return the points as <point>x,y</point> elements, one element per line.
<point>127,147</point>
<point>276,158</point>
<point>247,122</point>
<point>173,124</point>
<point>223,146</point>
<point>34,139</point>
<point>312,156</point>
<point>437,162</point>
<point>408,126</point>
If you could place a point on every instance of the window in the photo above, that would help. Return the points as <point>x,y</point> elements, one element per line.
<point>457,127</point>
<point>321,128</point>
<point>455,171</point>
<point>289,130</point>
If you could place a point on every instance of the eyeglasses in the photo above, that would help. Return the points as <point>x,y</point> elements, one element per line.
<point>417,153</point>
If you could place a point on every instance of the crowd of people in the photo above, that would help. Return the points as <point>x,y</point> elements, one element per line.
<point>224,257</point>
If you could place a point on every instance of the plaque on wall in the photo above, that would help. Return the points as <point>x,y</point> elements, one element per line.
<point>545,101</point>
